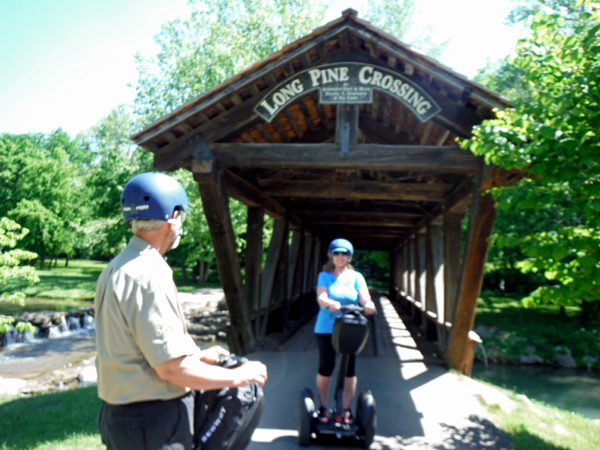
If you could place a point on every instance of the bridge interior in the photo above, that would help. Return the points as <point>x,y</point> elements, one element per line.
<point>385,173</point>
<point>420,404</point>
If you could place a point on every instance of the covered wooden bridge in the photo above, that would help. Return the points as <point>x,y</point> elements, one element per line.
<point>346,132</point>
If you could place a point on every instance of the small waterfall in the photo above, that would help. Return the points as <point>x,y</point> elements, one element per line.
<point>62,325</point>
<point>88,322</point>
<point>73,324</point>
<point>50,325</point>
<point>9,337</point>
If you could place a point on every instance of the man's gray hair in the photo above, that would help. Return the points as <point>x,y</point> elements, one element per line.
<point>146,225</point>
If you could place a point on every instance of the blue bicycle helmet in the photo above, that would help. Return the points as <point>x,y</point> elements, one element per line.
<point>152,195</point>
<point>340,245</point>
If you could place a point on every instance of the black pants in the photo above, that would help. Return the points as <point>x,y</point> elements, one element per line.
<point>152,425</point>
<point>327,357</point>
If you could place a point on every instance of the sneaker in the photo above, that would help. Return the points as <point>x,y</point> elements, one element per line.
<point>348,417</point>
<point>322,415</point>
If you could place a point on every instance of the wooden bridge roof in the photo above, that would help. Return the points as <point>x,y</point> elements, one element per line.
<point>397,175</point>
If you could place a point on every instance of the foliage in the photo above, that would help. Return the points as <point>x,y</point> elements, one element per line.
<point>519,327</point>
<point>553,136</point>
<point>43,191</point>
<point>116,160</point>
<point>12,268</point>
<point>374,265</point>
<point>396,18</point>
<point>218,40</point>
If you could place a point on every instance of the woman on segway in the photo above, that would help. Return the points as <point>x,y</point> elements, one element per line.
<point>338,285</point>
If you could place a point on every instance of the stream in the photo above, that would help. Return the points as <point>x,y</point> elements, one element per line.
<point>573,390</point>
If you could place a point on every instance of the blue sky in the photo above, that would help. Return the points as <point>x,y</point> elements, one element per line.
<point>67,63</point>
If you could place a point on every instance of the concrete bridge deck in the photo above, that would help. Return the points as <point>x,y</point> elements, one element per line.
<point>420,404</point>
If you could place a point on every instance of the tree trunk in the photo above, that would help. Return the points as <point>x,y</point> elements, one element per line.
<point>590,313</point>
<point>67,261</point>
<point>42,259</point>
<point>183,273</point>
<point>204,271</point>
<point>195,271</point>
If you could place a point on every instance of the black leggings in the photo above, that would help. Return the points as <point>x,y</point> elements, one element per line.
<point>327,357</point>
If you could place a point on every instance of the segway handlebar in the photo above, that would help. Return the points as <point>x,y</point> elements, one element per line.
<point>351,308</point>
<point>231,361</point>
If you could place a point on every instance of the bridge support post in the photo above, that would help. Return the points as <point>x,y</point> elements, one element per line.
<point>216,210</point>
<point>254,236</point>
<point>481,223</point>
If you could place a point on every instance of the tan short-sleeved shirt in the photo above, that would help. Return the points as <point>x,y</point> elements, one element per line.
<point>139,324</point>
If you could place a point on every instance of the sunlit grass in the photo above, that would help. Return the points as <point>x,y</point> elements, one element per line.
<point>54,421</point>
<point>535,425</point>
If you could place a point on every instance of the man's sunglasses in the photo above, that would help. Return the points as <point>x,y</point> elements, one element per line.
<point>340,253</point>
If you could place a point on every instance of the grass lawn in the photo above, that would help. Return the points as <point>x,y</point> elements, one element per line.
<point>76,282</point>
<point>54,421</point>
<point>69,288</point>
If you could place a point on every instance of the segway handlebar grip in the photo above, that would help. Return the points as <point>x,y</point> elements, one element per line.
<point>231,361</point>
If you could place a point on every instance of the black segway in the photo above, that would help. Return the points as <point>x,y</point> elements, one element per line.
<point>350,333</point>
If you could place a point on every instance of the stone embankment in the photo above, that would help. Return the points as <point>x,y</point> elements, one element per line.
<point>502,347</point>
<point>206,316</point>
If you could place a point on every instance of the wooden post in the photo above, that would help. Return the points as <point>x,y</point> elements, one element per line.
<point>393,279</point>
<point>216,210</point>
<point>435,281</point>
<point>254,237</point>
<point>269,273</point>
<point>481,223</point>
<point>296,264</point>
<point>309,247</point>
<point>452,262</point>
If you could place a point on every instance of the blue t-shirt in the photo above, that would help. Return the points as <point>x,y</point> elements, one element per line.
<point>344,290</point>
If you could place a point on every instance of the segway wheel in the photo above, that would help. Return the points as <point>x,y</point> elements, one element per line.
<point>366,414</point>
<point>305,417</point>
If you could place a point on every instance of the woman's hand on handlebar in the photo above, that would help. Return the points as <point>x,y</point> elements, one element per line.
<point>369,308</point>
<point>334,306</point>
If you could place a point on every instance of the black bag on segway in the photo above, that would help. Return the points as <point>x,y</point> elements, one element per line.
<point>228,417</point>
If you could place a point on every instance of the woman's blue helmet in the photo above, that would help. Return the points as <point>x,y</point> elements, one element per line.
<point>340,245</point>
<point>152,195</point>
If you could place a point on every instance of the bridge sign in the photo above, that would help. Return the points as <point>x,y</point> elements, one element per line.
<point>348,83</point>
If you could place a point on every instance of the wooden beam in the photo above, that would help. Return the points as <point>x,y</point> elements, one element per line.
<point>296,264</point>
<point>254,247</point>
<point>481,223</point>
<point>451,203</point>
<point>435,271</point>
<point>378,209</point>
<point>268,278</point>
<point>361,156</point>
<point>422,270</point>
<point>250,195</point>
<point>216,211</point>
<point>371,190</point>
<point>374,217</point>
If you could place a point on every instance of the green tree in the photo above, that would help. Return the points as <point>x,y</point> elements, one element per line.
<point>116,160</point>
<point>11,266</point>
<point>43,190</point>
<point>397,18</point>
<point>553,136</point>
<point>218,40</point>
